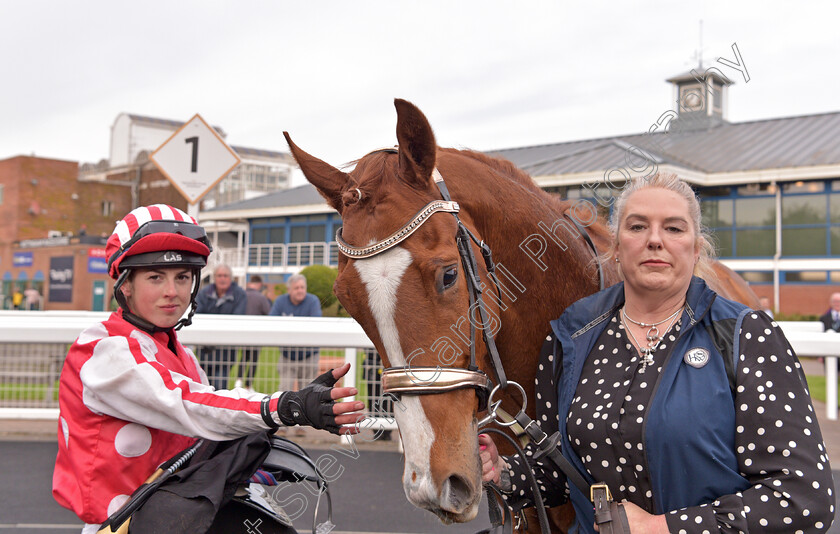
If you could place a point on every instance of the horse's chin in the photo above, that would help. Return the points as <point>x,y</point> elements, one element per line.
<point>447,518</point>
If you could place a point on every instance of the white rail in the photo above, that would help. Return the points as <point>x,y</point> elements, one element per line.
<point>45,327</point>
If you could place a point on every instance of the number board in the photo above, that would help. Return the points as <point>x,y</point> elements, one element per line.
<point>195,159</point>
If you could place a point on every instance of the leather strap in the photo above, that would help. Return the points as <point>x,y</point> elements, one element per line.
<point>501,518</point>
<point>610,516</point>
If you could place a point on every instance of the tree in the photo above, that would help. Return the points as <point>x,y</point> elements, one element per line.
<point>319,282</point>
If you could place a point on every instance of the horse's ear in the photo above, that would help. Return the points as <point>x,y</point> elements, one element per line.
<point>328,180</point>
<point>417,145</point>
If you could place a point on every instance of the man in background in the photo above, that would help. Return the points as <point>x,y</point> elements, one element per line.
<point>257,304</point>
<point>831,318</point>
<point>221,297</point>
<point>297,363</point>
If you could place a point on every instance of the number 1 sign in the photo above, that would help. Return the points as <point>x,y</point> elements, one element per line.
<point>194,159</point>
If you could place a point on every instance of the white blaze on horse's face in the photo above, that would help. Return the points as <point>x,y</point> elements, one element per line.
<point>382,275</point>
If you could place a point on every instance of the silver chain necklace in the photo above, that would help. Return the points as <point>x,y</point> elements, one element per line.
<point>654,338</point>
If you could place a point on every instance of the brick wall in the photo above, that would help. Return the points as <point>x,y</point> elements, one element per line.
<point>799,298</point>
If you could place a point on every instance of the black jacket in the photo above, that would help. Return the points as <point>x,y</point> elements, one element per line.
<point>829,323</point>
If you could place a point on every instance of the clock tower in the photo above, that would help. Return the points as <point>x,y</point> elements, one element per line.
<point>700,97</point>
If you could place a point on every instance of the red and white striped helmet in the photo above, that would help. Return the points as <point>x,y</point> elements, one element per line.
<point>156,235</point>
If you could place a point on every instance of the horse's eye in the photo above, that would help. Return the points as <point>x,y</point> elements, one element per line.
<point>450,275</point>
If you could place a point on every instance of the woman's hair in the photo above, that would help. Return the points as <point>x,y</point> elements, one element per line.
<point>670,182</point>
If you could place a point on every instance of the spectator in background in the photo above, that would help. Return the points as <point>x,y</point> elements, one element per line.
<point>831,318</point>
<point>17,299</point>
<point>297,363</point>
<point>765,306</point>
<point>223,296</point>
<point>33,298</point>
<point>257,304</point>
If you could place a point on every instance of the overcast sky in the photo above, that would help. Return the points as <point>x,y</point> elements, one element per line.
<point>487,74</point>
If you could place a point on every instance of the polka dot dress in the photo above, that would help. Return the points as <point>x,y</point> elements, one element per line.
<point>779,447</point>
<point>606,417</point>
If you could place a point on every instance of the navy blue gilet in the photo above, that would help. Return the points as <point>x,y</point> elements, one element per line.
<point>689,428</point>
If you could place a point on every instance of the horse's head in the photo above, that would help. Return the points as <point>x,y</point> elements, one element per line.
<point>406,297</point>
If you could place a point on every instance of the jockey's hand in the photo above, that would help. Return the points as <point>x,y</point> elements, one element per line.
<point>315,405</point>
<point>491,463</point>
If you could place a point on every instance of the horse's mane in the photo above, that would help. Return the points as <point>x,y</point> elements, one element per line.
<point>598,230</point>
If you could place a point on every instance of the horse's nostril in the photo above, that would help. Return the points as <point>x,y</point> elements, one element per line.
<point>456,494</point>
<point>414,476</point>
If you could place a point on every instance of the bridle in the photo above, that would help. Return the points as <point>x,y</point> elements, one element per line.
<point>408,380</point>
<point>426,380</point>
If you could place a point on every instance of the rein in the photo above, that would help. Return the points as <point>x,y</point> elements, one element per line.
<point>428,380</point>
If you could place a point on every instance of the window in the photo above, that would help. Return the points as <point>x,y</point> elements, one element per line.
<point>298,234</point>
<point>757,277</point>
<point>803,187</point>
<point>804,242</point>
<point>722,241</point>
<point>107,208</point>
<point>259,236</point>
<point>1,194</point>
<point>752,243</point>
<point>803,209</point>
<point>757,189</point>
<point>812,277</point>
<point>755,211</point>
<point>717,213</point>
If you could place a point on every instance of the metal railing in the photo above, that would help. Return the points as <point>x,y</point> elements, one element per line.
<point>257,351</point>
<point>33,346</point>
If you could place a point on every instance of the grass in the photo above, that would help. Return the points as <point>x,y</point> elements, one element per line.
<point>266,378</point>
<point>18,392</point>
<point>816,384</point>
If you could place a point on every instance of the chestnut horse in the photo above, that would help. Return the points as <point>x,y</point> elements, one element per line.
<point>411,294</point>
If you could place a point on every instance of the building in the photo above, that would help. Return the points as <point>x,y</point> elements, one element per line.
<point>52,233</point>
<point>770,192</point>
<point>56,215</point>
<point>135,137</point>
<point>285,231</point>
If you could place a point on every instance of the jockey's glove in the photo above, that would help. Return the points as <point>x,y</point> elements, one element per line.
<point>311,406</point>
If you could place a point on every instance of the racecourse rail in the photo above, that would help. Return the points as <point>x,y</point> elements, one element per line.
<point>33,344</point>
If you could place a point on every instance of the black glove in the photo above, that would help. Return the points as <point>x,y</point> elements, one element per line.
<point>311,406</point>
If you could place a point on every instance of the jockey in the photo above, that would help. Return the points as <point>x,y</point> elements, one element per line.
<point>131,396</point>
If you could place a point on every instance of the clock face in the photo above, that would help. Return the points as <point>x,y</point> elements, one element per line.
<point>691,98</point>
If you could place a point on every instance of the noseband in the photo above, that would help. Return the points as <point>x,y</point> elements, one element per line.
<point>431,380</point>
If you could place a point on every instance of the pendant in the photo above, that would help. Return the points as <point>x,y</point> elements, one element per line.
<point>647,359</point>
<point>653,334</point>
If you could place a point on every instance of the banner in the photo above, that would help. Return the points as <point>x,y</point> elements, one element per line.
<point>61,279</point>
<point>22,259</point>
<point>97,263</point>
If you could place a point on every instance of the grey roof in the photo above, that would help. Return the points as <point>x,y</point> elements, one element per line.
<point>801,141</point>
<point>241,150</point>
<point>166,122</point>
<point>295,196</point>
<point>261,152</point>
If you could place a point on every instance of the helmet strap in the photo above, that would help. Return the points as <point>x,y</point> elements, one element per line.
<point>145,325</point>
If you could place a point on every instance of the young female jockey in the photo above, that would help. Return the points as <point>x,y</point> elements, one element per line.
<point>131,396</point>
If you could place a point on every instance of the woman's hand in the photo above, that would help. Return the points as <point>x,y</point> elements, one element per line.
<point>642,522</point>
<point>491,463</point>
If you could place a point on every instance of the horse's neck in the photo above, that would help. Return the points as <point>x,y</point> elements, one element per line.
<point>541,272</point>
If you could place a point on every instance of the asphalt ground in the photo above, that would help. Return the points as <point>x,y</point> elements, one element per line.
<point>366,493</point>
<point>367,497</point>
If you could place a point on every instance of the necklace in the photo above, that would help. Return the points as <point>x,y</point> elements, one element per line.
<point>654,338</point>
